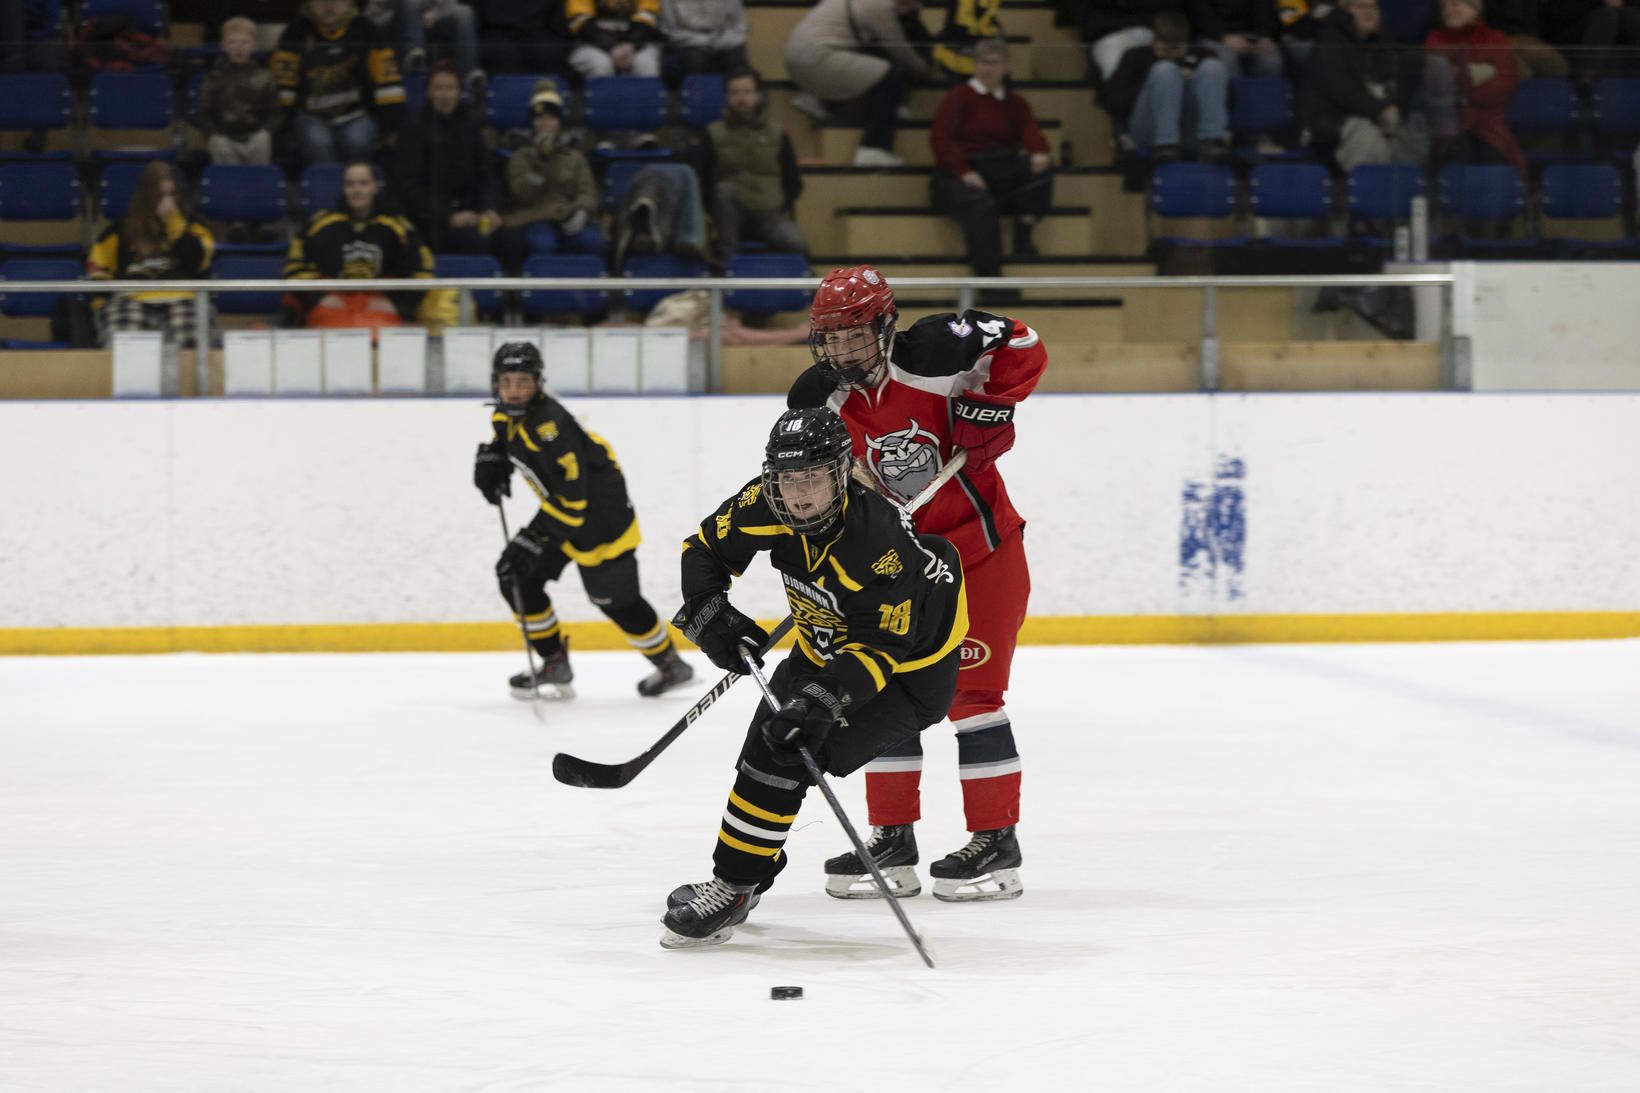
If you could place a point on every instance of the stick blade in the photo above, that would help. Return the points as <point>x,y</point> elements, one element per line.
<point>587,775</point>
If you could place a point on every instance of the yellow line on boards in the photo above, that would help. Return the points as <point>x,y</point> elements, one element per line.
<point>1043,630</point>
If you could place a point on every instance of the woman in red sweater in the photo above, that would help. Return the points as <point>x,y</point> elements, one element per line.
<point>990,158</point>
<point>1469,78</point>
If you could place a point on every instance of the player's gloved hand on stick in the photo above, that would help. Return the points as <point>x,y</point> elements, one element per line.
<point>806,718</point>
<point>523,553</point>
<point>492,474</point>
<point>985,428</point>
<point>722,632</point>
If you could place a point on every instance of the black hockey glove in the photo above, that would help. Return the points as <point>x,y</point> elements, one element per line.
<point>524,553</point>
<point>492,474</point>
<point>722,632</point>
<point>807,718</point>
<point>985,428</point>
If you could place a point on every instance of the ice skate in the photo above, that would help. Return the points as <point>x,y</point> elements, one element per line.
<point>673,672</point>
<point>683,893</point>
<point>710,917</point>
<point>987,868</point>
<point>894,849</point>
<point>551,680</point>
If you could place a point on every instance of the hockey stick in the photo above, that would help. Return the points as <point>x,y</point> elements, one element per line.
<point>842,818</point>
<point>574,771</point>
<point>523,632</point>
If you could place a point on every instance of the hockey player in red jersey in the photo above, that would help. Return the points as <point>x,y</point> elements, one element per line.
<point>911,400</point>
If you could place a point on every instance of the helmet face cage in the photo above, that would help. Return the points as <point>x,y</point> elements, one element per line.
<point>518,357</point>
<point>853,357</point>
<point>808,455</point>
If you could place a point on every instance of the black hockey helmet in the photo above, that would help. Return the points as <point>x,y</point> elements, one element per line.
<point>806,468</point>
<point>516,357</point>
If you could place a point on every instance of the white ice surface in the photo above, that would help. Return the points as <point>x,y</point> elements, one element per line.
<point>1263,868</point>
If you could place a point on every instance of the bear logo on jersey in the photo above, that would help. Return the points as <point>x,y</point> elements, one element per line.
<point>905,460</point>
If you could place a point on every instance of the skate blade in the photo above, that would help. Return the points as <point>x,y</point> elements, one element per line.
<point>671,940</point>
<point>999,884</point>
<point>550,692</point>
<point>902,882</point>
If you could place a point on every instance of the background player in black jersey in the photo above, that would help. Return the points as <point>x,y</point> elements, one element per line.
<point>880,615</point>
<point>585,518</point>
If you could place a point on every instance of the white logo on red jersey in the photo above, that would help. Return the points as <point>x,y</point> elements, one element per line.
<point>905,460</point>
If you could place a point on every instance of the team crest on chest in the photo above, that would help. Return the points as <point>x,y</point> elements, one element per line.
<point>905,460</point>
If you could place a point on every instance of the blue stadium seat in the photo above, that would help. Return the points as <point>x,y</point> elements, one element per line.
<point>658,265</point>
<point>26,344</point>
<point>625,102</point>
<point>145,15</point>
<point>36,305</point>
<point>508,104</point>
<point>115,185</point>
<point>617,177</point>
<point>242,193</point>
<point>131,100</point>
<point>473,265</point>
<point>247,267</point>
<point>322,187</point>
<point>1294,192</point>
<point>1616,112</point>
<point>1582,191</point>
<point>1489,192</point>
<point>769,264</point>
<point>1543,108</point>
<point>43,102</point>
<point>415,93</point>
<point>1380,191</point>
<point>539,303</point>
<point>1260,106</point>
<point>39,191</point>
<point>1203,190</point>
<point>702,100</point>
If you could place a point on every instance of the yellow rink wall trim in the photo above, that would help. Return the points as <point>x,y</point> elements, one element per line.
<point>406,637</point>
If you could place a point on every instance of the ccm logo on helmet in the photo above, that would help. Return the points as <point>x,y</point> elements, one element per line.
<point>982,415</point>
<point>974,653</point>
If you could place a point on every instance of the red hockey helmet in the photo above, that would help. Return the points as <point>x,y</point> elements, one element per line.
<point>851,326</point>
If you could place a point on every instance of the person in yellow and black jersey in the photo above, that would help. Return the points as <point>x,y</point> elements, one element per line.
<point>967,23</point>
<point>362,239</point>
<point>339,81</point>
<point>585,518</point>
<point>155,241</point>
<point>880,614</point>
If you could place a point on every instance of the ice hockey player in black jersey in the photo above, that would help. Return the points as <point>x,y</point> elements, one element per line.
<point>880,615</point>
<point>585,518</point>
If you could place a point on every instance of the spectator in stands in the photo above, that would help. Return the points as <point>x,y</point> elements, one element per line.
<point>1469,78</point>
<point>439,174</point>
<point>1243,33</point>
<point>361,239</point>
<point>1113,27</point>
<point>528,36</point>
<point>703,36</point>
<point>751,172</point>
<point>1172,92</point>
<point>337,74</point>
<point>1519,20</point>
<point>447,24</point>
<point>1593,30</point>
<point>238,104</point>
<point>1357,101</point>
<point>156,240</point>
<point>555,200</point>
<point>990,159</point>
<point>967,23</point>
<point>849,49</point>
<point>614,37</point>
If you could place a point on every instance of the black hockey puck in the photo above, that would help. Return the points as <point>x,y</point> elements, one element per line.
<point>782,993</point>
